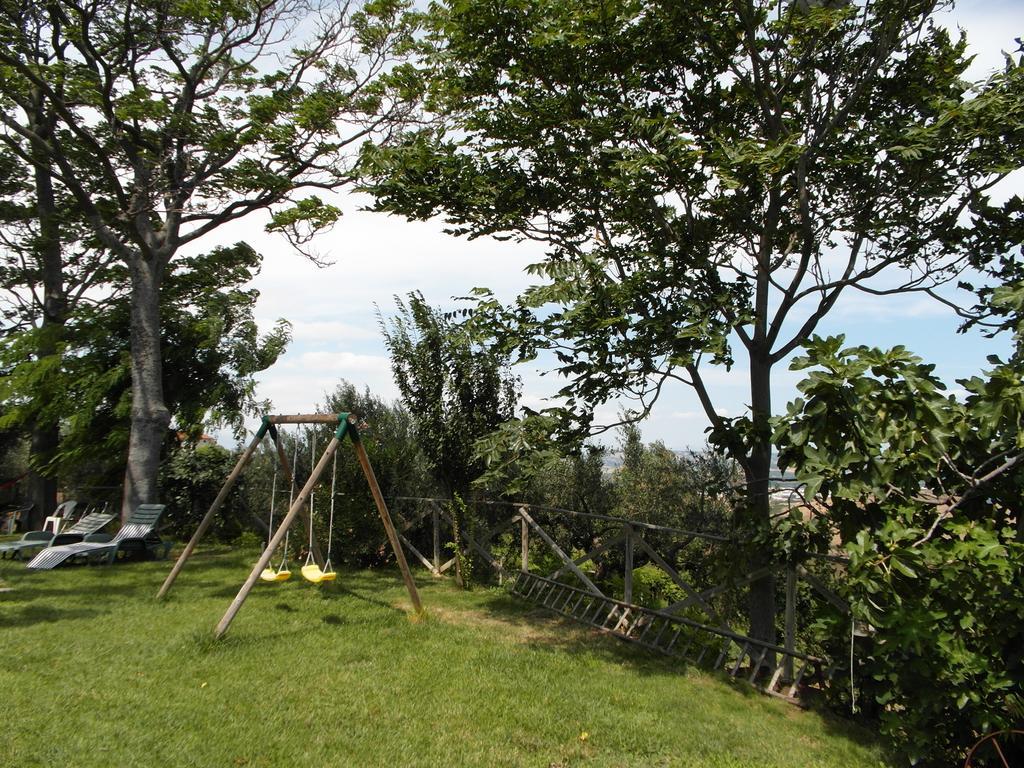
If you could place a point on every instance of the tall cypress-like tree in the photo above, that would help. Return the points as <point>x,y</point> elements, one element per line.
<point>456,390</point>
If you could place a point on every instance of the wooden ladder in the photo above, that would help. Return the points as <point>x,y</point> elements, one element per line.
<point>676,636</point>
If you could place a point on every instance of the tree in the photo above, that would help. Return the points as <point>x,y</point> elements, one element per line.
<point>190,480</point>
<point>658,485</point>
<point>174,120</point>
<point>708,179</point>
<point>46,267</point>
<point>652,484</point>
<point>926,493</point>
<point>456,390</point>
<point>212,347</point>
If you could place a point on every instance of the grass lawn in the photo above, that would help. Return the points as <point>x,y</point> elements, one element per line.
<point>95,672</point>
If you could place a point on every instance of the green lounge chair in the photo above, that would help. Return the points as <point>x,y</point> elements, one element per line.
<point>138,534</point>
<point>90,524</point>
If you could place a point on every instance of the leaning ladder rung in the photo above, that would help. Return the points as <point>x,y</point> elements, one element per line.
<point>538,593</point>
<point>739,659</point>
<point>613,613</point>
<point>597,604</point>
<point>648,622</point>
<point>528,583</point>
<point>568,593</point>
<point>587,603</point>
<point>564,609</point>
<point>576,605</point>
<point>796,680</point>
<point>550,596</point>
<point>773,684</point>
<point>665,625</point>
<point>652,620</point>
<point>672,642</point>
<point>594,609</point>
<point>622,623</point>
<point>757,664</point>
<point>725,650</point>
<point>533,587</point>
<point>685,653</point>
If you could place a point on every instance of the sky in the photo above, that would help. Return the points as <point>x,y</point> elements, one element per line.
<point>333,310</point>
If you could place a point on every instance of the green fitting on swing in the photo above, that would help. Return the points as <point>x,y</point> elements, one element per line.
<point>342,426</point>
<point>264,428</point>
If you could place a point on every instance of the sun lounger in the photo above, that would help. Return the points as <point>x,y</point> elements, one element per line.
<point>137,534</point>
<point>89,524</point>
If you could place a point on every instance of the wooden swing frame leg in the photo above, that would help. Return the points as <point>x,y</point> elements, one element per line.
<point>276,540</point>
<point>245,458</point>
<point>385,518</point>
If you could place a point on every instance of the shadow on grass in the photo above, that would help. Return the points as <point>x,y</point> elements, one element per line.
<point>31,615</point>
<point>340,589</point>
<point>546,630</point>
<point>95,593</point>
<point>202,641</point>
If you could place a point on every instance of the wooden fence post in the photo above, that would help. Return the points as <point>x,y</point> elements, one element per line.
<point>437,539</point>
<point>790,621</point>
<point>627,575</point>
<point>524,541</point>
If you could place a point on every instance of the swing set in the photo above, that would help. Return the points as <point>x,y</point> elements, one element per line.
<point>316,569</point>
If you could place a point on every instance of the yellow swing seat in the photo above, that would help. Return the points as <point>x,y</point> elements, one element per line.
<point>271,576</point>
<point>311,572</point>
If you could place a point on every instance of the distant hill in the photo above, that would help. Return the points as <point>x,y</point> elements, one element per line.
<point>779,479</point>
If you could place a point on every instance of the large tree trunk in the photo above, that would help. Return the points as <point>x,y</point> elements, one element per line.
<point>761,609</point>
<point>150,417</point>
<point>45,430</point>
<point>42,488</point>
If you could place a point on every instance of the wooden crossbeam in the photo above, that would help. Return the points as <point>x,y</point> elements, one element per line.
<point>819,586</point>
<point>693,595</point>
<point>600,549</point>
<point>485,553</point>
<point>305,418</point>
<point>558,551</point>
<point>409,521</point>
<point>718,588</point>
<point>417,554</point>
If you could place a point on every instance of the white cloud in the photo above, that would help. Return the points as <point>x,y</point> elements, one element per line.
<point>687,415</point>
<point>332,331</point>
